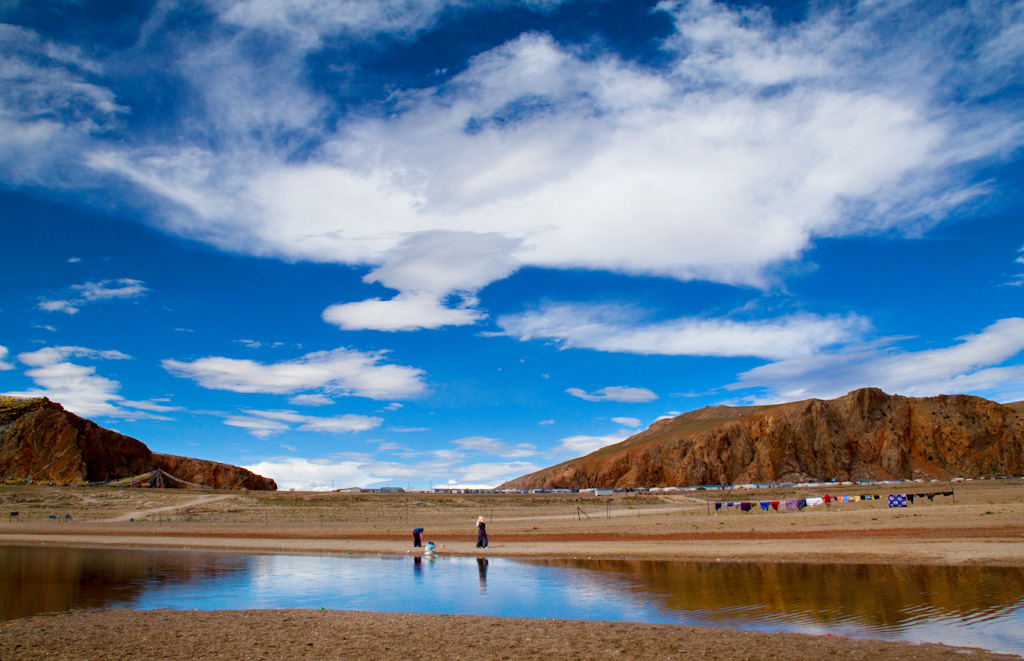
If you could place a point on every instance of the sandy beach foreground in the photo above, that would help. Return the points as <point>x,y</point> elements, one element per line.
<point>311,634</point>
<point>985,526</point>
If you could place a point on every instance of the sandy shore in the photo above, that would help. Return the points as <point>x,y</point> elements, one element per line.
<point>984,527</point>
<point>309,634</point>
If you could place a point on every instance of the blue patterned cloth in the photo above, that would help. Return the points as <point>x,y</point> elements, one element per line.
<point>897,500</point>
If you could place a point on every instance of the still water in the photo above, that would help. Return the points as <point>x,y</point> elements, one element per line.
<point>972,606</point>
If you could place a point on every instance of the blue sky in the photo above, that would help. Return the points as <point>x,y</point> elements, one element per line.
<point>451,242</point>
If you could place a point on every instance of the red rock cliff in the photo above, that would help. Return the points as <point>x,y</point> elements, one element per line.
<point>866,434</point>
<point>40,441</point>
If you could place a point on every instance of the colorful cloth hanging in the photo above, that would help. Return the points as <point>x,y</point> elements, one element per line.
<point>897,500</point>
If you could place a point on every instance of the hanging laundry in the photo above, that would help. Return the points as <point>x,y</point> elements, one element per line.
<point>802,503</point>
<point>897,500</point>
<point>745,507</point>
<point>775,505</point>
<point>814,502</point>
<point>764,505</point>
<point>718,506</point>
<point>910,497</point>
<point>791,504</point>
<point>826,498</point>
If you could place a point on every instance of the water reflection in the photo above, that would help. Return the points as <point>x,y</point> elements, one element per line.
<point>876,596</point>
<point>41,579</point>
<point>481,564</point>
<point>974,606</point>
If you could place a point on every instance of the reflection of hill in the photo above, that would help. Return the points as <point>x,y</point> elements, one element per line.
<point>872,595</point>
<point>44,580</point>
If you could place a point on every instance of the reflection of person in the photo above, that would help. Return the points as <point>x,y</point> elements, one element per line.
<point>416,532</point>
<point>417,564</point>
<point>481,533</point>
<point>481,564</point>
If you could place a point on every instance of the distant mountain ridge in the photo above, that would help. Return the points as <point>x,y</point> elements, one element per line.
<point>863,435</point>
<point>42,442</point>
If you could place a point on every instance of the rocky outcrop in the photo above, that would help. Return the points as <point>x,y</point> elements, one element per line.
<point>41,442</point>
<point>866,434</point>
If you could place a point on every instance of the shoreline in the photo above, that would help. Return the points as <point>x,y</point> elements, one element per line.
<point>984,528</point>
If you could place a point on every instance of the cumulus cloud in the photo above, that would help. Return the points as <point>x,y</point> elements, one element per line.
<point>79,388</point>
<point>493,446</point>
<point>577,446</point>
<point>336,372</point>
<point>751,141</point>
<point>266,423</point>
<point>972,365</point>
<point>621,329</point>
<point>626,394</point>
<point>4,365</point>
<point>428,268</point>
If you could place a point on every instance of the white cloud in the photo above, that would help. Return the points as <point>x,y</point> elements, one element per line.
<point>4,365</point>
<point>311,400</point>
<point>103,291</point>
<point>490,475</point>
<point>336,372</point>
<point>751,142</point>
<point>625,394</point>
<point>546,422</point>
<point>621,329</point>
<point>582,444</point>
<point>427,268</point>
<point>266,423</point>
<point>67,307</point>
<point>972,365</point>
<point>91,292</point>
<point>495,447</point>
<point>315,474</point>
<point>78,388</point>
<point>627,422</point>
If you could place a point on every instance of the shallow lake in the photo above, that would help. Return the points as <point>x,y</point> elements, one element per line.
<point>973,606</point>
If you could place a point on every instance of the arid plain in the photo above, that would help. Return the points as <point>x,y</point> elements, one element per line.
<point>982,524</point>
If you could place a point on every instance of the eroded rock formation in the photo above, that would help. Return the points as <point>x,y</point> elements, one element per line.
<point>866,434</point>
<point>42,442</point>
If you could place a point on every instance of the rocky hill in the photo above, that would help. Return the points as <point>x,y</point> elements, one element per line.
<point>42,442</point>
<point>866,434</point>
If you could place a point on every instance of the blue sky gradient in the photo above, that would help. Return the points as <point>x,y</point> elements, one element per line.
<point>415,242</point>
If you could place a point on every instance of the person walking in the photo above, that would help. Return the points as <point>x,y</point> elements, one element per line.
<point>481,533</point>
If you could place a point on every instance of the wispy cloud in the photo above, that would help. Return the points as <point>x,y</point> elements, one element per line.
<point>623,329</point>
<point>626,394</point>
<point>91,292</point>
<point>266,423</point>
<point>4,365</point>
<point>495,447</point>
<point>972,365</point>
<point>336,372</point>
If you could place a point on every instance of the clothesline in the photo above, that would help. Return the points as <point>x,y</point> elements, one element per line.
<point>894,500</point>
